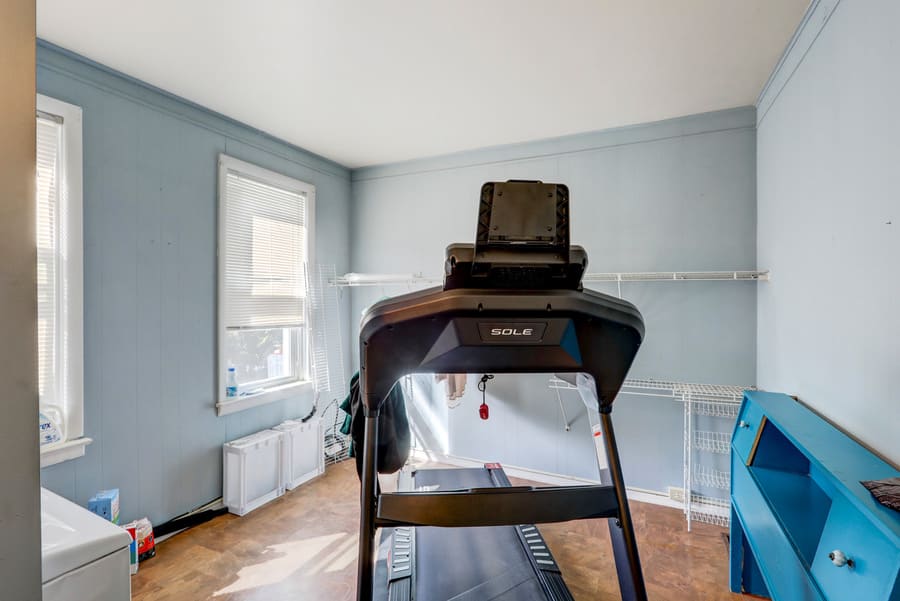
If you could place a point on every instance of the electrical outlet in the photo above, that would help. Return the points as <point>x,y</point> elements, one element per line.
<point>676,493</point>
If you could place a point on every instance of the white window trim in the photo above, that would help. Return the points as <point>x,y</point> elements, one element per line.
<point>64,450</point>
<point>227,405</point>
<point>73,304</point>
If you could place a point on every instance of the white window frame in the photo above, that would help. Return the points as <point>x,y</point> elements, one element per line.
<point>281,391</point>
<point>71,272</point>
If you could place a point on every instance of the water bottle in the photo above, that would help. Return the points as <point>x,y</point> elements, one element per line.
<point>231,386</point>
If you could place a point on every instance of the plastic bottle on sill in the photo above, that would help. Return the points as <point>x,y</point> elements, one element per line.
<point>50,425</point>
<point>231,385</point>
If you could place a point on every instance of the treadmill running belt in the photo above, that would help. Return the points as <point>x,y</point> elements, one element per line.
<point>472,564</point>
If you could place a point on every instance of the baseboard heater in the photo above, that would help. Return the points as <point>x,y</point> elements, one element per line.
<point>259,468</point>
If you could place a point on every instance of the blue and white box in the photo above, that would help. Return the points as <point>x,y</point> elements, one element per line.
<point>106,504</point>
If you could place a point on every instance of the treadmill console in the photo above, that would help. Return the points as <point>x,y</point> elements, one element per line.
<point>522,241</point>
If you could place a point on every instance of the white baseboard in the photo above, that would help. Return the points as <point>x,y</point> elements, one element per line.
<point>641,495</point>
<point>654,497</point>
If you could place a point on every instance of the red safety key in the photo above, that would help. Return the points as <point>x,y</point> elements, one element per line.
<point>483,411</point>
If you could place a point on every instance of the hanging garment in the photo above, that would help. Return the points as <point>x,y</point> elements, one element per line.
<point>393,428</point>
<point>456,385</point>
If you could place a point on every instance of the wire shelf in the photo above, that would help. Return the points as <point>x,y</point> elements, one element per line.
<point>719,393</point>
<point>713,504</point>
<point>555,383</point>
<point>662,276</point>
<point>384,279</point>
<point>715,519</point>
<point>712,478</point>
<point>411,279</point>
<point>715,409</point>
<point>666,388</point>
<point>697,394</point>
<point>713,442</point>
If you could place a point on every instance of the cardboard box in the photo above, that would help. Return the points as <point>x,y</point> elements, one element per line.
<point>106,504</point>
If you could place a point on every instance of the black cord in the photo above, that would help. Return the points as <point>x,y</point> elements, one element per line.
<point>312,411</point>
<point>482,385</point>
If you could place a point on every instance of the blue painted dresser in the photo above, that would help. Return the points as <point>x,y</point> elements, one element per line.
<point>802,526</point>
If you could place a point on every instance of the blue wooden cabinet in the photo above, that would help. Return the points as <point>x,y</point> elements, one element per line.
<point>802,526</point>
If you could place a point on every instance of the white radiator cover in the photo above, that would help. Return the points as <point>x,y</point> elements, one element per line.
<point>253,471</point>
<point>303,456</point>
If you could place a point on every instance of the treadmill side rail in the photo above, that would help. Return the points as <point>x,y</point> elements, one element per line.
<point>496,506</point>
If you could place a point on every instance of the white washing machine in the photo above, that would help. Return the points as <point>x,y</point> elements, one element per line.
<point>83,556</point>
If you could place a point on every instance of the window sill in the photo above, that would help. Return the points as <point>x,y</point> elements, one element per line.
<point>63,451</point>
<point>271,395</point>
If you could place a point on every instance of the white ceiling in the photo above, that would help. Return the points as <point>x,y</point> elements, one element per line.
<point>369,82</point>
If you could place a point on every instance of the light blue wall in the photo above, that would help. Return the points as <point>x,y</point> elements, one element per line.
<point>829,220</point>
<point>674,195</point>
<point>150,286</point>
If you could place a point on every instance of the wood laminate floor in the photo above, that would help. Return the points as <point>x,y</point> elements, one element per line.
<point>303,547</point>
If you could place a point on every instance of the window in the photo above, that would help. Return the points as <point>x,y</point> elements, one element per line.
<point>59,280</point>
<point>264,248</point>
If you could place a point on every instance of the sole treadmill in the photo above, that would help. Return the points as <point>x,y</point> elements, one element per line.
<point>489,563</point>
<point>511,303</point>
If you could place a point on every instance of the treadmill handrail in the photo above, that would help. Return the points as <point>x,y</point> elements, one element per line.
<point>505,506</point>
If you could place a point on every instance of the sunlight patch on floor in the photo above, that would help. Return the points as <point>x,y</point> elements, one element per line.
<point>334,561</point>
<point>292,556</point>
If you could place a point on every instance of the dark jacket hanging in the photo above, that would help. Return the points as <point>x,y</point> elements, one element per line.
<point>393,428</point>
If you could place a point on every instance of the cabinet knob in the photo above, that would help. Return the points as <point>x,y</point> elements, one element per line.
<point>839,559</point>
<point>743,424</point>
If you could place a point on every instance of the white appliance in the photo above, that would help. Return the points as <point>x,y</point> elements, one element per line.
<point>83,556</point>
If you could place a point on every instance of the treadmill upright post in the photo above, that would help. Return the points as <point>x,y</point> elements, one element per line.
<point>366,567</point>
<point>625,550</point>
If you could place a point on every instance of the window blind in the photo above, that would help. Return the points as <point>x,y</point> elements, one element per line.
<point>265,254</point>
<point>49,138</point>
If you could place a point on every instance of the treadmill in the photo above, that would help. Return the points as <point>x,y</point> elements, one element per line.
<point>511,303</point>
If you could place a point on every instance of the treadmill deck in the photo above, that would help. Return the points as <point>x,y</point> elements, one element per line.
<point>496,563</point>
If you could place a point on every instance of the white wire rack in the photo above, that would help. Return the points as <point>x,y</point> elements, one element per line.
<point>555,383</point>
<point>708,400</point>
<point>384,279</point>
<point>713,442</point>
<point>711,510</point>
<point>328,360</point>
<point>712,518</point>
<point>711,478</point>
<point>708,394</point>
<point>413,279</point>
<point>715,408</point>
<point>660,276</point>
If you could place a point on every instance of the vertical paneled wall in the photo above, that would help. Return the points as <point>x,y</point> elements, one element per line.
<point>829,220</point>
<point>150,286</point>
<point>674,195</point>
